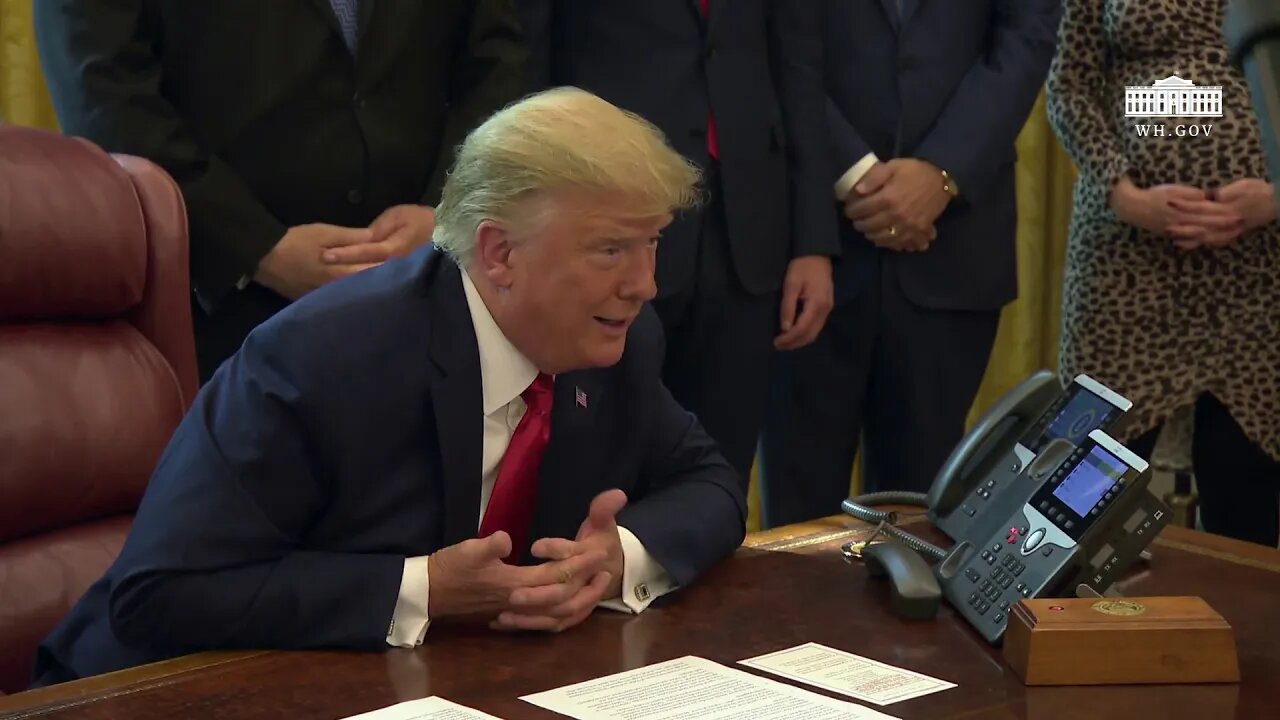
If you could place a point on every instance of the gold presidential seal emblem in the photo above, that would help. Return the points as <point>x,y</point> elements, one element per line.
<point>1119,607</point>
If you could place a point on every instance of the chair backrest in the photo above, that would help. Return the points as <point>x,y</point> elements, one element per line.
<point>97,367</point>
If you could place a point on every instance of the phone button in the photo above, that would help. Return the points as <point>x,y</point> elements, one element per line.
<point>1033,540</point>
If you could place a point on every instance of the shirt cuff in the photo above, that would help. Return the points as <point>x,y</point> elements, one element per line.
<point>409,621</point>
<point>854,174</point>
<point>643,579</point>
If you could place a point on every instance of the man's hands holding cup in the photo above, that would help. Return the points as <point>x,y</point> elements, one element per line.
<point>470,578</point>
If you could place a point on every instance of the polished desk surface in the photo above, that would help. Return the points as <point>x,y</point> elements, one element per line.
<point>785,587</point>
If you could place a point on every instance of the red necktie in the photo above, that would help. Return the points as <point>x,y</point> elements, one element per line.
<point>516,490</point>
<point>713,142</point>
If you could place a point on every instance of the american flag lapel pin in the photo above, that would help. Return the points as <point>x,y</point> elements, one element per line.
<point>580,396</point>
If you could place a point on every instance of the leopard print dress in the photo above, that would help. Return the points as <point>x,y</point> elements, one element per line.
<point>1157,324</point>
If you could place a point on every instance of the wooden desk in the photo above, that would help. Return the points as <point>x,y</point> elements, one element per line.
<point>785,587</point>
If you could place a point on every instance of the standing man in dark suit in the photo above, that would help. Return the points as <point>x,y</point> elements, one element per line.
<point>926,100</point>
<point>309,137</point>
<point>736,85</point>
<point>365,463</point>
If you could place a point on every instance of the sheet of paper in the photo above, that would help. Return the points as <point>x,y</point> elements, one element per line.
<point>432,708</point>
<point>848,674</point>
<point>694,688</point>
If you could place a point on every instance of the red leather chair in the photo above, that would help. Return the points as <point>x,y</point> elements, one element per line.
<point>97,366</point>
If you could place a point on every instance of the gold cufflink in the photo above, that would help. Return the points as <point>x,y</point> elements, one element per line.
<point>642,592</point>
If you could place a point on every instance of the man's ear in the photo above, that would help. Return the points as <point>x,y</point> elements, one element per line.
<point>493,253</point>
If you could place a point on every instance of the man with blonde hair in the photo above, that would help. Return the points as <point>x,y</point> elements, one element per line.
<point>513,456</point>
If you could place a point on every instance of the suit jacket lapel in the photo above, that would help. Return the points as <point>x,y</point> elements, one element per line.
<point>571,467</point>
<point>326,12</point>
<point>366,14</point>
<point>706,21</point>
<point>908,9</point>
<point>456,401</point>
<point>325,8</point>
<point>891,12</point>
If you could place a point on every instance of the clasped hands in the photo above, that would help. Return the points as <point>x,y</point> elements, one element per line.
<point>1195,218</point>
<point>896,203</point>
<point>470,578</point>
<point>309,256</point>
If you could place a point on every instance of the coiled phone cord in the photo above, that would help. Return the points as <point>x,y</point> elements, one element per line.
<point>928,549</point>
<point>860,507</point>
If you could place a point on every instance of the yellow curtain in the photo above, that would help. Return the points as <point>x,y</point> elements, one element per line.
<point>1027,339</point>
<point>23,97</point>
<point>1028,336</point>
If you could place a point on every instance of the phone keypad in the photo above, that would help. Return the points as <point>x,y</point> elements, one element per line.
<point>1012,565</point>
<point>994,594</point>
<point>1002,578</point>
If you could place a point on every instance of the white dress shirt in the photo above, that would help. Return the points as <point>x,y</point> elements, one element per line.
<point>854,174</point>
<point>505,373</point>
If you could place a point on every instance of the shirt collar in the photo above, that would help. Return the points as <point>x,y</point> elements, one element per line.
<point>505,372</point>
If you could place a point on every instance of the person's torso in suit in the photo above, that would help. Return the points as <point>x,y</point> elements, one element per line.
<point>348,433</point>
<point>891,74</point>
<point>666,61</point>
<point>267,119</point>
<point>320,134</point>
<point>316,132</point>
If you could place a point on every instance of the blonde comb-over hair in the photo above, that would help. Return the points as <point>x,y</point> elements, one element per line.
<point>563,139</point>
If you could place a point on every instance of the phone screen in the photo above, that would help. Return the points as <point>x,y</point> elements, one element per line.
<point>1090,480</point>
<point>1081,415</point>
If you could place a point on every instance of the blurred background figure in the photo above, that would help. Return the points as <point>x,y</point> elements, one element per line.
<point>309,138</point>
<point>736,86</point>
<point>926,103</point>
<point>1173,268</point>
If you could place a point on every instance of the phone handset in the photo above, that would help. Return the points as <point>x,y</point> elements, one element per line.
<point>1010,416</point>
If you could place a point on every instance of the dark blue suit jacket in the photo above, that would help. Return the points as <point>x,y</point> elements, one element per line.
<point>346,435</point>
<point>758,65</point>
<point>951,82</point>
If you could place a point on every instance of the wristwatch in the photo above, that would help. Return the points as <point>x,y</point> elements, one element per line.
<point>949,184</point>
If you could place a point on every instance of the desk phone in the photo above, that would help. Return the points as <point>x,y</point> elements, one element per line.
<point>1085,524</point>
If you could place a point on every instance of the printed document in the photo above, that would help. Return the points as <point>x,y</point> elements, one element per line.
<point>847,674</point>
<point>432,708</point>
<point>693,688</point>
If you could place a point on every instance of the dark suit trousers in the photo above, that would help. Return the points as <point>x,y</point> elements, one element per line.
<point>902,376</point>
<point>719,339</point>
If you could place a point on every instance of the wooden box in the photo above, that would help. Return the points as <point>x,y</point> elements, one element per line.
<point>1119,641</point>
